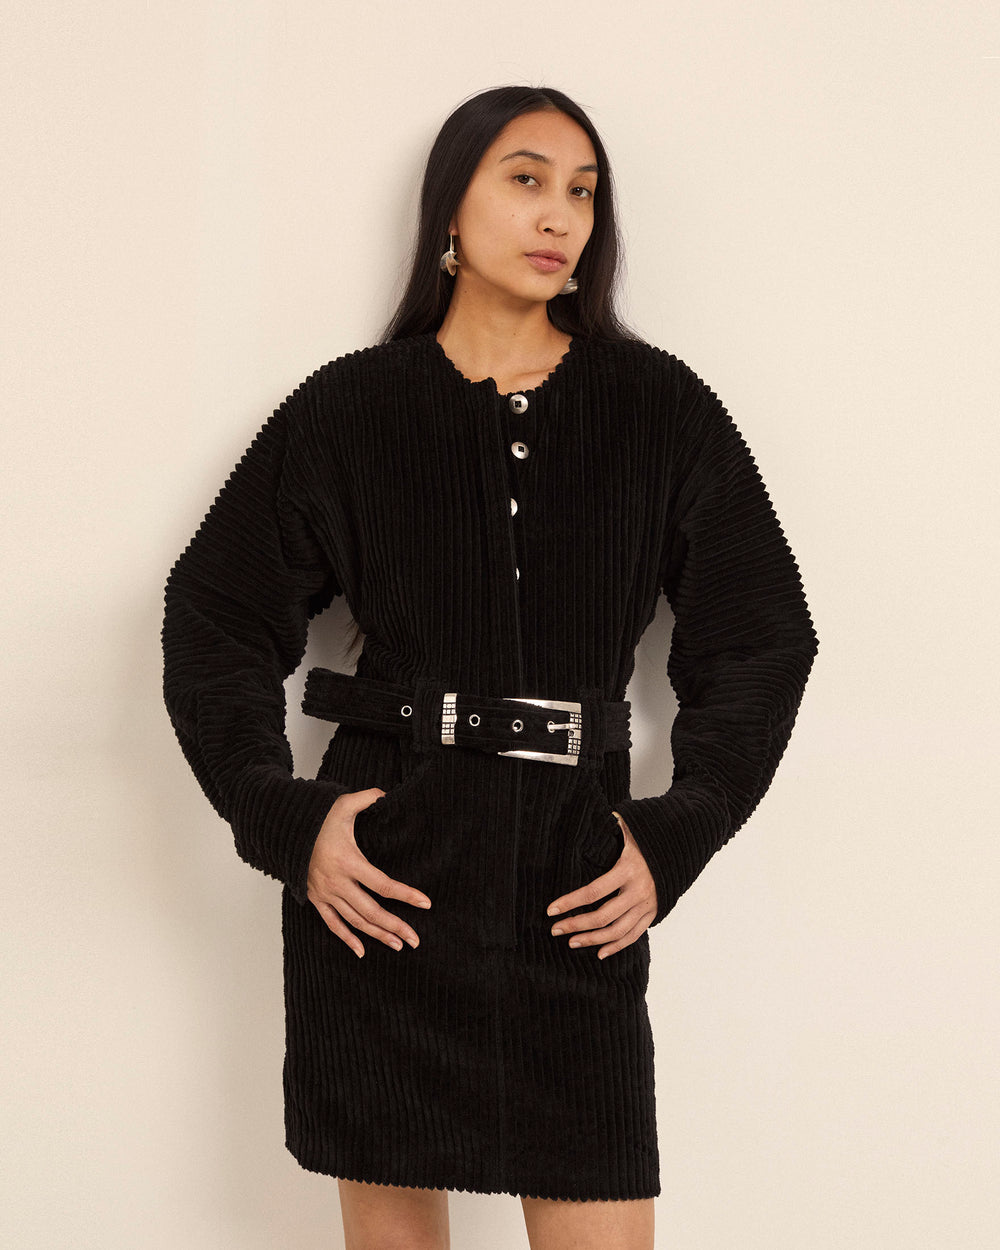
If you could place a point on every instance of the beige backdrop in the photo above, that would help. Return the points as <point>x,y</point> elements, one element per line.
<point>209,200</point>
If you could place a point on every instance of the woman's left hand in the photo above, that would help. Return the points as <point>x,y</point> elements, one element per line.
<point>622,919</point>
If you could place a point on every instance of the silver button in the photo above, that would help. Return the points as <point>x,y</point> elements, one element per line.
<point>513,506</point>
<point>517,572</point>
<point>518,404</point>
<point>519,449</point>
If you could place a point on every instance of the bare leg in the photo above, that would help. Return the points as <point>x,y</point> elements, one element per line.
<point>554,1224</point>
<point>393,1217</point>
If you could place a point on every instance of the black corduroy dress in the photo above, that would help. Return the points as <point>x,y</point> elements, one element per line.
<point>490,547</point>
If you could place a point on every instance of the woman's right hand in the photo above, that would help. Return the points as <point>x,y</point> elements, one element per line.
<point>338,871</point>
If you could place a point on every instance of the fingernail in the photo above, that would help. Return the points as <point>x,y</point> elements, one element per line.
<point>574,944</point>
<point>396,945</point>
<point>414,942</point>
<point>553,910</point>
<point>556,931</point>
<point>424,902</point>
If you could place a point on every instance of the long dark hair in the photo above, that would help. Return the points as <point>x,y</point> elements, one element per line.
<point>453,159</point>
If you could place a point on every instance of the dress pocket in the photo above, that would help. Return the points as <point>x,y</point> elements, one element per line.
<point>399,815</point>
<point>600,840</point>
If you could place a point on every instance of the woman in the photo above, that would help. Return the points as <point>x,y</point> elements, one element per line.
<point>501,490</point>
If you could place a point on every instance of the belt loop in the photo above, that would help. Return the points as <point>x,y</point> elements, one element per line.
<point>427,696</point>
<point>591,700</point>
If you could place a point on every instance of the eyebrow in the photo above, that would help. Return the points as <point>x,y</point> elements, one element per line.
<point>537,156</point>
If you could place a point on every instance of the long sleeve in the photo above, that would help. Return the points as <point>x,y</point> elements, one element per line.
<point>742,647</point>
<point>238,603</point>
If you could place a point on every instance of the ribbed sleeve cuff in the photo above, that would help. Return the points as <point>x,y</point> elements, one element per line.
<point>276,819</point>
<point>677,835</point>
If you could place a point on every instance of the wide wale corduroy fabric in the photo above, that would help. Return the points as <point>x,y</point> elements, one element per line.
<point>492,1058</point>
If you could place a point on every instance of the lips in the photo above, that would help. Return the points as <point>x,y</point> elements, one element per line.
<point>546,261</point>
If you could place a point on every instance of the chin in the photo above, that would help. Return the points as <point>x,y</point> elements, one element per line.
<point>532,289</point>
<point>542,289</point>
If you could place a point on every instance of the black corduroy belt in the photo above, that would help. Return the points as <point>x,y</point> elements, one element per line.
<point>558,731</point>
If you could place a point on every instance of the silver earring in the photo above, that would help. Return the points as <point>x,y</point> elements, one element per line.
<point>449,261</point>
<point>569,288</point>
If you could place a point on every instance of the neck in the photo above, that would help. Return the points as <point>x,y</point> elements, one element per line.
<point>485,338</point>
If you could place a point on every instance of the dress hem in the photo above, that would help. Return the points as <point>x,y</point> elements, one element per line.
<point>455,1185</point>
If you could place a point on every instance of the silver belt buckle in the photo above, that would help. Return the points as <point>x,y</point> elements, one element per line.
<point>574,738</point>
<point>449,718</point>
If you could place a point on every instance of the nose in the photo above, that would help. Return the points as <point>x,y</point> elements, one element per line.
<point>554,217</point>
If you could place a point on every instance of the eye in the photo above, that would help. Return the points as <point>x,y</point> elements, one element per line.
<point>528,178</point>
<point>582,193</point>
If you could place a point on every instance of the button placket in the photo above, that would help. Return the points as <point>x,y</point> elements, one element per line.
<point>518,404</point>
<point>513,513</point>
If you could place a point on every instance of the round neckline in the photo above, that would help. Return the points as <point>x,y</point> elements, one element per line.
<point>488,382</point>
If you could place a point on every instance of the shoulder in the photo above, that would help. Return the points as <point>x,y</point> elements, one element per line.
<point>352,385</point>
<point>368,365</point>
<point>653,379</point>
<point>341,410</point>
<point>635,358</point>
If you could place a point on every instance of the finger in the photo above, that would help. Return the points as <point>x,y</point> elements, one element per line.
<point>360,909</point>
<point>614,947</point>
<point>611,909</point>
<point>375,879</point>
<point>607,932</point>
<point>365,798</point>
<point>334,923</point>
<point>376,921</point>
<point>601,917</point>
<point>599,888</point>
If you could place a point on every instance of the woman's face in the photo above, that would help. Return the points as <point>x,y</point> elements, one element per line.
<point>528,210</point>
